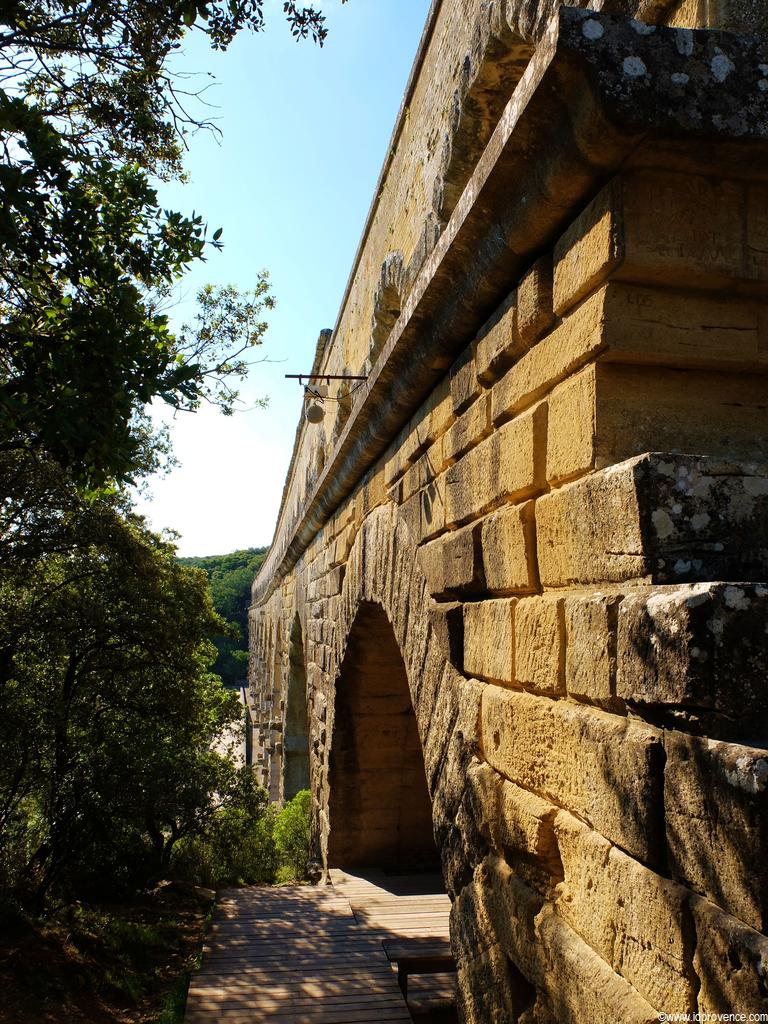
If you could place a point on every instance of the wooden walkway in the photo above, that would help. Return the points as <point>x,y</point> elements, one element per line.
<point>314,955</point>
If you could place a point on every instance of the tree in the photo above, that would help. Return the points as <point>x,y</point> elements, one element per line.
<point>108,712</point>
<point>229,580</point>
<point>89,112</point>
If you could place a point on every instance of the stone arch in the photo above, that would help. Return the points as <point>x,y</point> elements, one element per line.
<point>380,811</point>
<point>383,568</point>
<point>296,728</point>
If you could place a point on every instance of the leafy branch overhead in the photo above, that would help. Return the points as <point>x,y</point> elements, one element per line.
<point>228,323</point>
<point>90,112</point>
<point>101,69</point>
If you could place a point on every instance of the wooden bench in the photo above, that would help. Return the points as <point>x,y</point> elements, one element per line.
<point>419,956</point>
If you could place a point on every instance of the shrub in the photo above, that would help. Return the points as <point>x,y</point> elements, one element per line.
<point>237,847</point>
<point>249,841</point>
<point>292,837</point>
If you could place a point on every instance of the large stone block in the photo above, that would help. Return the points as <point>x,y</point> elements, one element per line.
<point>463,381</point>
<point>509,909</point>
<point>526,826</point>
<point>569,346</point>
<point>573,982</point>
<point>731,962</point>
<point>513,821</point>
<point>458,834</point>
<point>606,769</point>
<point>652,227</point>
<point>453,563</point>
<point>508,541</point>
<point>702,646</point>
<point>342,545</point>
<point>580,985</point>
<point>472,426</point>
<point>633,324</point>
<point>485,990</point>
<point>439,719</point>
<point>540,644</point>
<point>634,918</point>
<point>394,466</point>
<point>463,745</point>
<point>641,324</point>
<point>483,788</point>
<point>432,507</point>
<point>410,516</point>
<point>650,408</point>
<point>413,439</point>
<point>589,250</point>
<point>439,408</point>
<point>472,930</point>
<point>471,483</point>
<point>498,344</point>
<point>422,472</point>
<point>462,847</point>
<point>375,492</point>
<point>508,466</point>
<point>658,518</point>
<point>489,639</point>
<point>446,627</point>
<point>590,647</point>
<point>535,315</point>
<point>716,808</point>
<point>571,437</point>
<point>591,531</point>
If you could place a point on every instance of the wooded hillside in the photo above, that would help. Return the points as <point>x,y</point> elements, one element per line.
<point>229,580</point>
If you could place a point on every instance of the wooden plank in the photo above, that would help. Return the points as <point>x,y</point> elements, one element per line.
<point>317,1015</point>
<point>416,947</point>
<point>303,955</point>
<point>271,1000</point>
<point>262,975</point>
<point>300,989</point>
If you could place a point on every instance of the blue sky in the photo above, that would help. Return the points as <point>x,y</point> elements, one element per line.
<point>305,131</point>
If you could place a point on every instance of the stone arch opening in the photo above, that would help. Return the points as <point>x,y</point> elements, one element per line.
<point>296,730</point>
<point>380,812</point>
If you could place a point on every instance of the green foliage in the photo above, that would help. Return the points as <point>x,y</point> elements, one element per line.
<point>131,947</point>
<point>292,836</point>
<point>229,580</point>
<point>108,712</point>
<point>89,114</point>
<point>110,718</point>
<point>86,257</point>
<point>250,841</point>
<point>175,1003</point>
<point>112,961</point>
<point>238,844</point>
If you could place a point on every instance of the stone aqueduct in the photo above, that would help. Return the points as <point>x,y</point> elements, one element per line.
<point>515,615</point>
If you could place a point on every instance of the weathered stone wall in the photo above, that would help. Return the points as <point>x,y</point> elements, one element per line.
<point>555,486</point>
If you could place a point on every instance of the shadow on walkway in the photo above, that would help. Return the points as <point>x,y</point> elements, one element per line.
<point>305,955</point>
